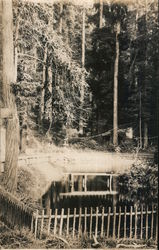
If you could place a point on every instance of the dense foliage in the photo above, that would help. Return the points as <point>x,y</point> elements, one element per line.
<point>140,185</point>
<point>51,79</point>
<point>47,88</point>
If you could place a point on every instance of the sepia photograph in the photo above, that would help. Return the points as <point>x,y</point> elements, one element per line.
<point>79,104</point>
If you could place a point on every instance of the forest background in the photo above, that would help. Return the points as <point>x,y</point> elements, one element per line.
<point>68,59</point>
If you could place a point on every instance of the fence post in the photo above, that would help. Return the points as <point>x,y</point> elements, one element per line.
<point>85,221</point>
<point>102,224</point>
<point>130,222</point>
<point>125,223</point>
<point>119,222</point>
<point>79,224</point>
<point>156,224</point>
<point>72,183</point>
<point>49,222</point>
<point>55,221</point>
<point>90,228</point>
<point>61,222</point>
<point>146,222</point>
<point>74,221</point>
<point>108,221</point>
<point>32,223</point>
<point>152,221</point>
<point>96,228</point>
<point>114,222</point>
<point>68,221</point>
<point>135,236</point>
<point>42,223</point>
<point>141,222</point>
<point>36,223</point>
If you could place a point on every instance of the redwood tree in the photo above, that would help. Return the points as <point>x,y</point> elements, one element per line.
<point>12,129</point>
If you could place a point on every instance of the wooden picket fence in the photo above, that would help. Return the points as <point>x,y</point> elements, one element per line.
<point>14,212</point>
<point>133,222</point>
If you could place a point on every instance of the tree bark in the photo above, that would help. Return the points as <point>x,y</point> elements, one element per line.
<point>12,127</point>
<point>16,50</point>
<point>115,108</point>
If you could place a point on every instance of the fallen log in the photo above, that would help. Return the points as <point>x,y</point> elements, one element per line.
<point>62,239</point>
<point>130,246</point>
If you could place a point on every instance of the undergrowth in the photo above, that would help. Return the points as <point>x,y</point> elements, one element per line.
<point>22,239</point>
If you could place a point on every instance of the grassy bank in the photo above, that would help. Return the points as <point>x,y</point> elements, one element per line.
<point>13,239</point>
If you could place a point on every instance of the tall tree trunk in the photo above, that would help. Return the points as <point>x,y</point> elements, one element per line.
<point>49,101</point>
<point>12,127</point>
<point>101,14</point>
<point>43,85</point>
<point>145,135</point>
<point>146,63</point>
<point>34,68</point>
<point>140,121</point>
<point>61,13</point>
<point>83,76</point>
<point>100,26</point>
<point>136,18</point>
<point>115,108</point>
<point>83,37</point>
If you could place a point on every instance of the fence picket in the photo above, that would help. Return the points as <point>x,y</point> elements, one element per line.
<point>114,222</point>
<point>119,222</point>
<point>141,227</point>
<point>130,223</point>
<point>36,223</point>
<point>108,221</point>
<point>85,221</point>
<point>32,222</point>
<point>125,223</point>
<point>55,221</point>
<point>102,224</point>
<point>68,221</point>
<point>156,225</point>
<point>152,221</point>
<point>61,222</point>
<point>146,222</point>
<point>96,227</point>
<point>74,222</point>
<point>49,222</point>
<point>42,223</point>
<point>90,227</point>
<point>79,224</point>
<point>135,235</point>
